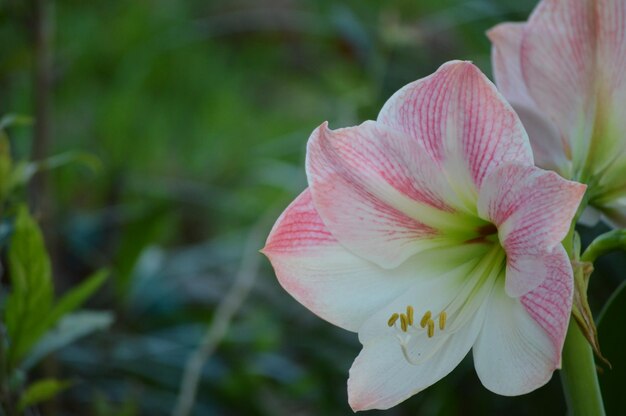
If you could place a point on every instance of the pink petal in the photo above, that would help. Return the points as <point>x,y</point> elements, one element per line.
<point>377,192</point>
<point>461,120</point>
<point>326,278</point>
<point>548,148</point>
<point>558,59</point>
<point>506,39</point>
<point>533,210</point>
<point>611,42</point>
<point>520,344</point>
<point>572,59</point>
<point>550,303</point>
<point>609,142</point>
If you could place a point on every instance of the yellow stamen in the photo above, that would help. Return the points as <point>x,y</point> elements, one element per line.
<point>442,320</point>
<point>403,322</point>
<point>431,328</point>
<point>409,314</point>
<point>392,320</point>
<point>425,319</point>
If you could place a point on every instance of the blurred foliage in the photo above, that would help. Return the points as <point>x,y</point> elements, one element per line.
<point>200,111</point>
<point>33,324</point>
<point>612,339</point>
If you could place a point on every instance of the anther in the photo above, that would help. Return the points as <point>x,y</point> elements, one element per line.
<point>409,314</point>
<point>392,320</point>
<point>403,322</point>
<point>442,320</point>
<point>425,319</point>
<point>431,328</point>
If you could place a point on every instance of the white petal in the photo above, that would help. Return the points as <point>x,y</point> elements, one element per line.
<point>548,147</point>
<point>381,377</point>
<point>590,216</point>
<point>520,344</point>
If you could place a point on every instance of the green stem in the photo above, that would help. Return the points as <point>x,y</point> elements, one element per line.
<point>613,240</point>
<point>579,375</point>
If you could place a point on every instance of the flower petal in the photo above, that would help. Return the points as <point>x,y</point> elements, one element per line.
<point>520,344</point>
<point>608,146</point>
<point>335,284</point>
<point>611,41</point>
<point>614,212</point>
<point>462,122</point>
<point>545,139</point>
<point>506,39</point>
<point>533,210</point>
<point>381,376</point>
<point>557,61</point>
<point>549,149</point>
<point>379,194</point>
<point>590,217</point>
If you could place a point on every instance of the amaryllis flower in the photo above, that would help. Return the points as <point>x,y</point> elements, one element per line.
<point>564,72</point>
<point>430,232</point>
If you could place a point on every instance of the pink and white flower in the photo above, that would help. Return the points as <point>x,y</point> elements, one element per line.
<point>563,72</point>
<point>430,232</point>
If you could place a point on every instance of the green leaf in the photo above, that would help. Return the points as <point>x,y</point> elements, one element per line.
<point>613,339</point>
<point>42,390</point>
<point>73,299</point>
<point>24,171</point>
<point>31,286</point>
<point>14,120</point>
<point>70,328</point>
<point>6,166</point>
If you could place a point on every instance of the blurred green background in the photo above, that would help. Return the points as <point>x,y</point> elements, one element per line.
<point>200,112</point>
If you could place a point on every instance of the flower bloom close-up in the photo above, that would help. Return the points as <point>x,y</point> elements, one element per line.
<point>431,233</point>
<point>563,72</point>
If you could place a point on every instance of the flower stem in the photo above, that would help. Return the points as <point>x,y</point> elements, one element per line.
<point>613,240</point>
<point>579,376</point>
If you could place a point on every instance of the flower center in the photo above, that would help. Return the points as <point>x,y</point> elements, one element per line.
<point>421,339</point>
<point>486,233</point>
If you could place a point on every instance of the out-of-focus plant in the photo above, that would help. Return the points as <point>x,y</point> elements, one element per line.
<point>34,323</point>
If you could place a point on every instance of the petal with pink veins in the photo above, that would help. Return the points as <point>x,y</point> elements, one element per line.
<point>532,209</point>
<point>610,24</point>
<point>548,147</point>
<point>558,63</point>
<point>506,39</point>
<point>462,121</point>
<point>520,344</point>
<point>379,193</point>
<point>335,284</point>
